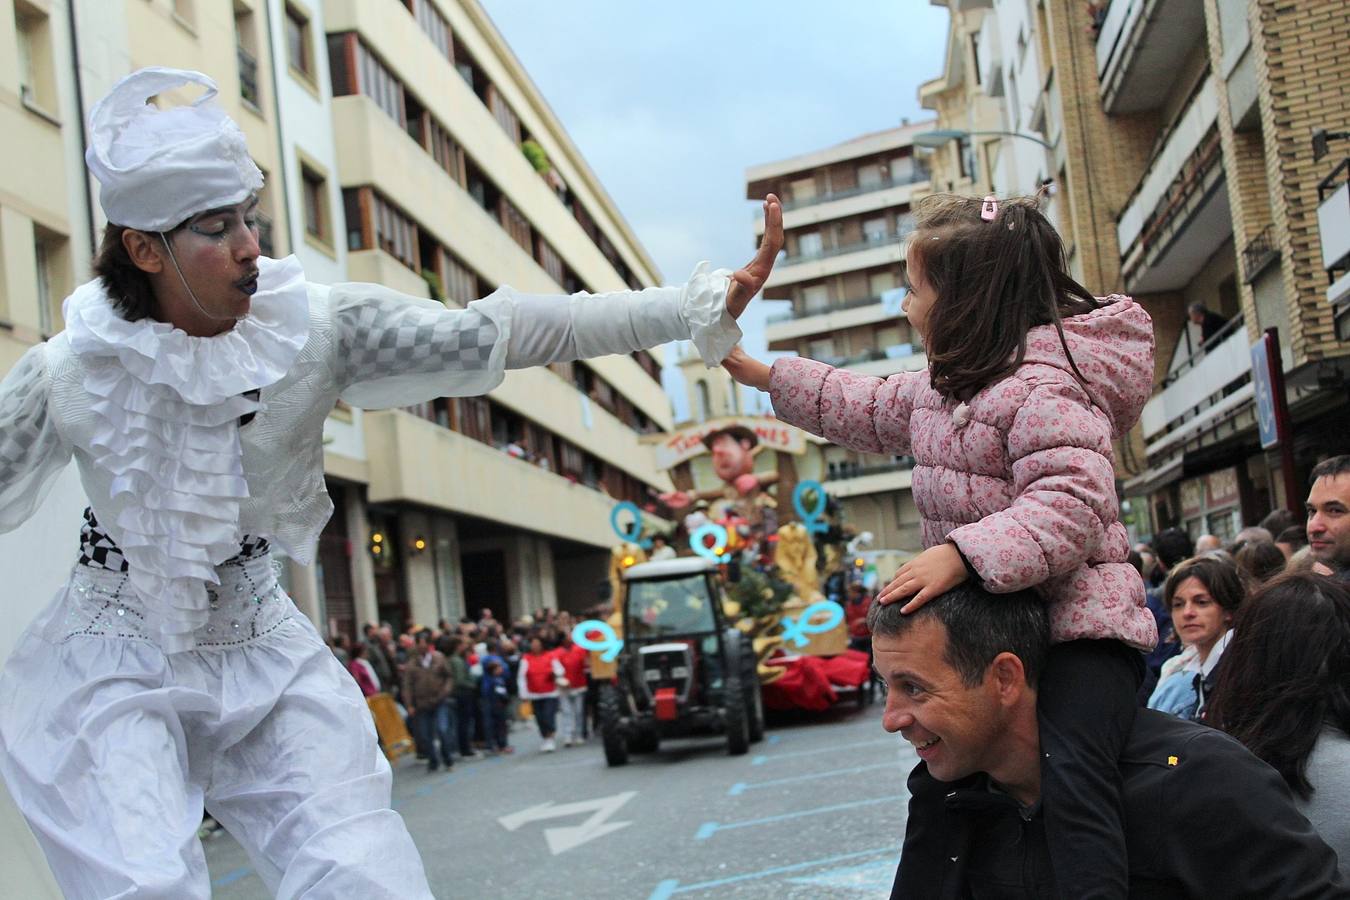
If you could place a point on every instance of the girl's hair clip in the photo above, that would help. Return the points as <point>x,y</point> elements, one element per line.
<point>989,208</point>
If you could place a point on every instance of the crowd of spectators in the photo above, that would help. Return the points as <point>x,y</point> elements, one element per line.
<point>461,686</point>
<point>1254,639</point>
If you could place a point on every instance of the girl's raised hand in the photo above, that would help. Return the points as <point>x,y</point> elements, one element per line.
<point>746,369</point>
<point>931,574</point>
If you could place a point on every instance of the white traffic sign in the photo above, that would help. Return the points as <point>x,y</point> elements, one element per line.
<point>560,840</point>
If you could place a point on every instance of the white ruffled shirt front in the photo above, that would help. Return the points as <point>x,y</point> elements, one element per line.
<point>151,414</point>
<point>167,407</point>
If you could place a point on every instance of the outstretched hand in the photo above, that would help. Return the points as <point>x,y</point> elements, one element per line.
<point>746,369</point>
<point>746,282</point>
<point>931,574</point>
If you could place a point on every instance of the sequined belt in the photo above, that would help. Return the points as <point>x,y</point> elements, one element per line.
<point>247,604</point>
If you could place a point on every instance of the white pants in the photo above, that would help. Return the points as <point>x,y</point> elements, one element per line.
<point>111,749</point>
<point>573,710</point>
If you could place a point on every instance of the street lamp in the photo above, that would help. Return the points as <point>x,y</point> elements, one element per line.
<point>940,137</point>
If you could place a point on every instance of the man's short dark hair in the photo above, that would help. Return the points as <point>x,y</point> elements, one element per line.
<point>1173,546</point>
<point>980,626</point>
<point>1330,468</point>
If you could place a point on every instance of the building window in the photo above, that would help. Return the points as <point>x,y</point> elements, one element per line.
<point>551,262</point>
<point>318,222</point>
<point>185,12</point>
<point>51,255</point>
<point>875,230</point>
<point>703,399</point>
<point>297,42</point>
<point>246,55</point>
<point>975,54</point>
<point>461,284</point>
<point>810,244</point>
<point>395,233</point>
<point>433,25</point>
<point>516,225</point>
<point>37,76</point>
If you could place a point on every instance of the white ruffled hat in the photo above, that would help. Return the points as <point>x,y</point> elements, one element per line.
<point>156,168</point>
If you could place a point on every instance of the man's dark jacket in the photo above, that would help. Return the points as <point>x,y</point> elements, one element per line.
<point>1204,818</point>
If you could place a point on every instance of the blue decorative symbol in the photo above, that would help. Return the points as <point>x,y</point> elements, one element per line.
<point>633,534</point>
<point>797,631</point>
<point>719,546</point>
<point>811,520</point>
<point>609,643</point>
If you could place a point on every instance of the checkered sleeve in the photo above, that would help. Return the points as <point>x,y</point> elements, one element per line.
<point>32,452</point>
<point>394,350</point>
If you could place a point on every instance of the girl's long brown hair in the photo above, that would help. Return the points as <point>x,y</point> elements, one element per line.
<point>994,281</point>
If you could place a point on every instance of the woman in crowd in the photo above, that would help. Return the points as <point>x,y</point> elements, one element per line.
<point>539,677</point>
<point>575,660</point>
<point>363,671</point>
<point>1203,594</point>
<point>1285,694</point>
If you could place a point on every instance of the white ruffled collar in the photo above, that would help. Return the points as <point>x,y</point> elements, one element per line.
<point>203,371</point>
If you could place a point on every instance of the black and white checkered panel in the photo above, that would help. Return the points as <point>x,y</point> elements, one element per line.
<point>99,551</point>
<point>390,336</point>
<point>32,453</point>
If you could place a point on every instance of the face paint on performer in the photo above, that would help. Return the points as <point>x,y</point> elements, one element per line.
<point>215,258</point>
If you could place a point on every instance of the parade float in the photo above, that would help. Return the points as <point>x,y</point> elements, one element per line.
<point>747,606</point>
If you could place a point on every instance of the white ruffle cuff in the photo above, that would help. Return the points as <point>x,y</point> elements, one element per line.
<point>703,306</point>
<point>166,407</point>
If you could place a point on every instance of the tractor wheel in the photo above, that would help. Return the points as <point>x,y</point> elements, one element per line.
<point>755,702</point>
<point>737,716</point>
<point>610,708</point>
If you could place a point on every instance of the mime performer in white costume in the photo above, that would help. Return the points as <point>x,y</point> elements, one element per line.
<point>191,385</point>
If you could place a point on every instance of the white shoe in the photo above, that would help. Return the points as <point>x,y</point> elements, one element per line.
<point>548,746</point>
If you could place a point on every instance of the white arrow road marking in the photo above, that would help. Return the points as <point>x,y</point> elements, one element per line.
<point>560,840</point>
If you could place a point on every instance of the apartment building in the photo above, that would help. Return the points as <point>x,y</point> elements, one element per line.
<point>1182,170</point>
<point>455,178</point>
<point>846,216</point>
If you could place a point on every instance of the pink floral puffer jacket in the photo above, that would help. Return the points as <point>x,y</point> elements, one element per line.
<point>1021,477</point>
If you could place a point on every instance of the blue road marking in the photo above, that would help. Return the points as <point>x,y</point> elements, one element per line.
<point>761,760</point>
<point>741,787</point>
<point>773,738</point>
<point>874,877</point>
<point>708,829</point>
<point>232,877</point>
<point>672,886</point>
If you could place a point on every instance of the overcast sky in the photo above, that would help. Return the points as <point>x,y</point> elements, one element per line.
<point>671,102</point>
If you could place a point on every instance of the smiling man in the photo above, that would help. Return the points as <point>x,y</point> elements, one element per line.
<point>1329,515</point>
<point>961,677</point>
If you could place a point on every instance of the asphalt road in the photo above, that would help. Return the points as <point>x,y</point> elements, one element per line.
<point>817,810</point>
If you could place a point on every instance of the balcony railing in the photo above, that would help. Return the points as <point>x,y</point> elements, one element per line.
<point>915,176</point>
<point>248,78</point>
<point>1260,252</point>
<point>898,351</point>
<point>790,314</point>
<point>1181,157</point>
<point>1200,381</point>
<point>840,471</point>
<point>874,240</point>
